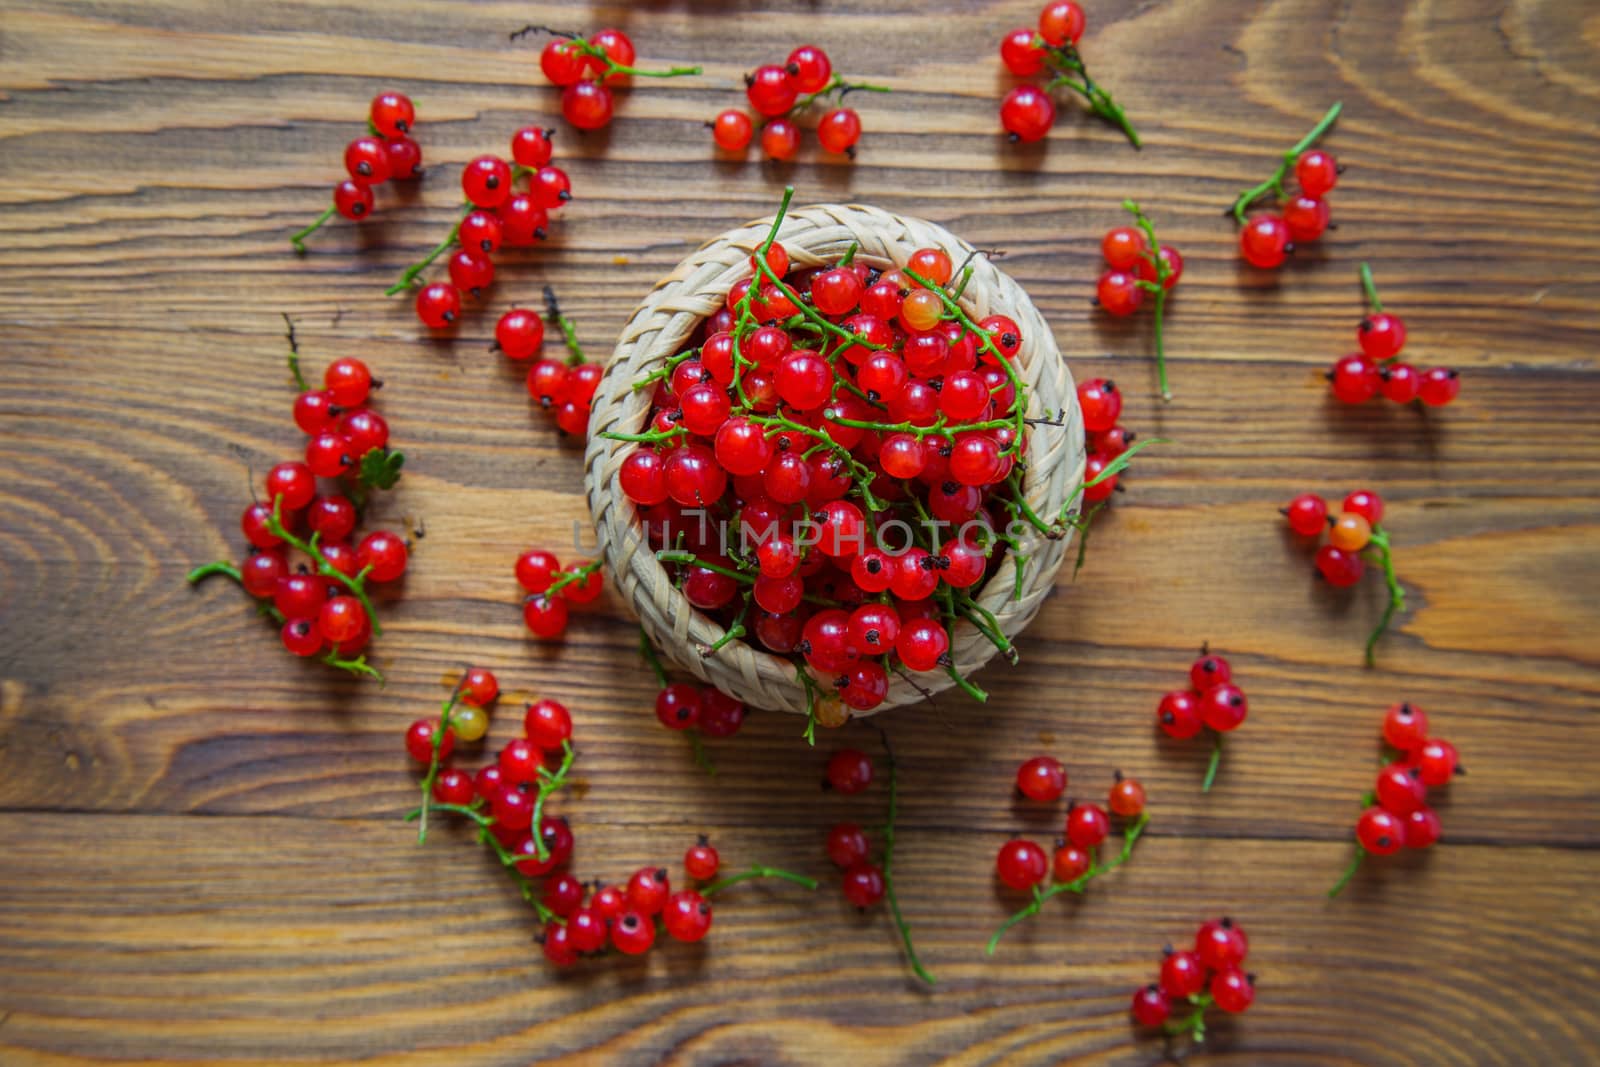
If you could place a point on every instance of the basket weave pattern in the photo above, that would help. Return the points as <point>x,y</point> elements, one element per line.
<point>695,290</point>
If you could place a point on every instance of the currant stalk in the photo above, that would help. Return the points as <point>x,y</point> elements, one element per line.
<point>1129,838</point>
<point>888,865</point>
<point>1349,872</point>
<point>596,52</point>
<point>1397,593</point>
<point>569,332</point>
<point>1216,761</point>
<point>574,574</point>
<point>434,761</point>
<point>294,355</point>
<point>1163,271</point>
<point>297,239</point>
<point>837,85</point>
<point>1274,184</point>
<point>758,870</point>
<point>1193,1024</point>
<point>1066,59</point>
<point>409,278</point>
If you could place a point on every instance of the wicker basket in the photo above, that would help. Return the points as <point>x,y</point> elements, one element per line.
<point>696,289</point>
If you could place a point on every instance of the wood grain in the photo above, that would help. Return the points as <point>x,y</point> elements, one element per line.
<point>203,860</point>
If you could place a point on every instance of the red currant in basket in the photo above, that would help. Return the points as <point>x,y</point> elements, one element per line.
<point>1042,778</point>
<point>1021,864</point>
<point>1027,113</point>
<point>1264,241</point>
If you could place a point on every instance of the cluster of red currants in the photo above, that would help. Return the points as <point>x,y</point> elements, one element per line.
<point>1354,531</point>
<point>1138,265</point>
<point>563,390</point>
<point>506,799</point>
<point>1266,240</point>
<point>550,590</point>
<point>1101,403</point>
<point>302,566</point>
<point>862,383</point>
<point>1028,111</point>
<point>1397,814</point>
<point>388,153</point>
<point>1377,368</point>
<point>496,215</point>
<point>780,94</point>
<point>1022,865</point>
<point>1211,974</point>
<point>1211,701</point>
<point>586,71</point>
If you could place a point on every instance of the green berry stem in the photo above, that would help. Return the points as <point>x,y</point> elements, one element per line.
<point>1193,1024</point>
<point>810,684</point>
<point>888,864</point>
<point>222,566</point>
<point>549,783</point>
<point>1274,184</point>
<point>574,574</point>
<point>569,332</point>
<point>1066,58</point>
<point>837,85</point>
<point>1349,872</point>
<point>294,354</point>
<point>647,652</point>
<point>409,278</point>
<point>297,239</point>
<point>1152,255</point>
<point>434,761</point>
<point>1397,593</point>
<point>1129,838</point>
<point>1211,768</point>
<point>758,870</point>
<point>1371,289</point>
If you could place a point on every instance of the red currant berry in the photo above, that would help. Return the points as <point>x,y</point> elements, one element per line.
<point>1380,831</point>
<point>1127,798</point>
<point>261,572</point>
<point>700,862</point>
<point>563,895</point>
<point>367,161</point>
<point>1123,248</point>
<point>1151,1008</point>
<point>1209,671</point>
<point>300,596</point>
<point>1339,568</point>
<point>1232,990</point>
<point>586,105</point>
<point>1350,532</point>
<point>1087,825</point>
<point>694,477</point>
<point>1027,113</point>
<point>847,845</point>
<point>1221,943</point>
<point>849,771</point>
<point>405,158</point>
<point>348,381</point>
<point>301,637</point>
<point>1382,335</point>
<point>1042,778</point>
<point>487,181</point>
<point>1118,293</point>
<point>471,273</point>
<point>587,926</point>
<point>536,569</point>
<point>1264,241</point>
<point>1095,467</point>
<point>780,139</point>
<point>771,90</point>
<point>810,68</point>
<point>453,787</point>
<point>548,725</point>
<point>609,902</point>
<point>1223,707</point>
<point>353,200</point>
<point>315,411</point>
<point>618,48</point>
<point>1317,172</point>
<point>392,114</point>
<point>922,644</point>
<point>687,916</point>
<point>678,706</point>
<point>1019,53</point>
<point>332,516</point>
<point>519,333</point>
<point>556,943</point>
<point>545,616</point>
<point>1439,386</point>
<point>732,130</point>
<point>420,741</point>
<point>438,305</point>
<point>254,523</point>
<point>1069,863</point>
<point>550,188</point>
<point>522,220</point>
<point>1405,727</point>
<point>633,933</point>
<point>863,885</point>
<point>1182,975</point>
<point>1307,515</point>
<point>1400,382</point>
<point>382,555</point>
<point>1101,404</point>
<point>1003,333</point>
<point>1306,217</point>
<point>1400,789</point>
<point>341,618</point>
<point>1422,828</point>
<point>1438,762</point>
<point>643,477</point>
<point>563,61</point>
<point>1021,864</point>
<point>1062,22</point>
<point>839,130</point>
<point>531,147</point>
<point>294,484</point>
<point>720,714</point>
<point>648,890</point>
<point>487,782</point>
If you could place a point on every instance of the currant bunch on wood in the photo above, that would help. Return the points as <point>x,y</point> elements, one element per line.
<point>1212,974</point>
<point>587,70</point>
<point>780,94</point>
<point>1269,238</point>
<point>1212,702</point>
<point>563,389</point>
<point>1028,111</point>
<point>304,567</point>
<point>1022,866</point>
<point>496,215</point>
<point>1395,813</point>
<point>1138,267</point>
<point>1354,537</point>
<point>388,152</point>
<point>1377,368</point>
<point>550,590</point>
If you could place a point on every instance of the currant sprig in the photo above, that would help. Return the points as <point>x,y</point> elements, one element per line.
<point>1072,73</point>
<point>1274,183</point>
<point>600,61</point>
<point>1379,547</point>
<point>435,759</point>
<point>1130,837</point>
<point>837,86</point>
<point>409,278</point>
<point>1164,277</point>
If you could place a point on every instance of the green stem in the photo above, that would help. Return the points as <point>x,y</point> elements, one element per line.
<point>674,555</point>
<point>549,783</point>
<point>839,85</point>
<point>1397,593</point>
<point>1349,872</point>
<point>569,332</point>
<point>888,864</point>
<point>1211,768</point>
<point>1193,1024</point>
<point>409,278</point>
<point>758,870</point>
<point>1371,289</point>
<point>222,566</point>
<point>1275,183</point>
<point>357,585</point>
<point>1129,838</point>
<point>294,355</point>
<point>434,761</point>
<point>1101,105</point>
<point>298,239</point>
<point>1162,271</point>
<point>575,574</point>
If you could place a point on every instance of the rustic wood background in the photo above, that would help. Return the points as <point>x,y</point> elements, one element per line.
<point>202,853</point>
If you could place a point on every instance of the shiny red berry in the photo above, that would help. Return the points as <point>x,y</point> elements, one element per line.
<point>1151,1008</point>
<point>1087,825</point>
<point>863,885</point>
<point>849,771</point>
<point>1182,975</point>
<point>1316,171</point>
<point>1179,715</point>
<point>1027,113</point>
<point>1223,707</point>
<point>1021,864</point>
<point>847,845</point>
<point>687,916</point>
<point>1232,990</point>
<point>1405,727</point>
<point>1439,386</point>
<point>1264,241</point>
<point>1042,778</point>
<point>1380,831</point>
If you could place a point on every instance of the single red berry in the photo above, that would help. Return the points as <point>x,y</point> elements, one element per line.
<point>847,845</point>
<point>678,706</point>
<point>1021,864</point>
<point>1123,248</point>
<point>1439,386</point>
<point>556,943</point>
<point>1020,54</point>
<point>1151,1008</point>
<point>810,68</point>
<point>353,200</point>
<point>643,477</point>
<point>1380,831</point>
<point>1062,22</point>
<point>587,925</point>
<point>1307,515</point>
<point>849,771</point>
<point>633,933</point>
<point>420,741</point>
<point>863,885</point>
<point>1179,715</point>
<point>367,161</point>
<point>438,305</point>
<point>1381,335</point>
<point>1209,671</point>
<point>1087,825</point>
<point>488,781</point>
<point>405,158</point>
<point>1306,217</point>
<point>531,147</point>
<point>550,188</point>
<point>520,762</point>
<point>1097,487</point>
<point>618,48</point>
<point>609,902</point>
<point>1438,762</point>
<point>839,130</point>
<point>1317,172</point>
<point>1042,778</point>
<point>1100,402</point>
<point>732,130</point>
<point>1223,707</point>
<point>1400,789</point>
<point>1118,293</point>
<point>1027,113</point>
<point>294,483</point>
<point>563,61</point>
<point>536,569</point>
<point>1405,726</point>
<point>648,890</point>
<point>341,619</point>
<point>545,616</point>
<point>471,273</point>
<point>771,90</point>
<point>348,381</point>
<point>479,687</point>
<point>453,787</point>
<point>563,895</point>
<point>1339,568</point>
<point>586,105</point>
<point>1127,798</point>
<point>1264,241</point>
<point>780,139</point>
<point>382,555</point>
<point>392,114</point>
<point>487,181</point>
<point>1221,943</point>
<point>687,916</point>
<point>523,222</point>
<point>1367,504</point>
<point>1182,975</point>
<point>261,572</point>
<point>519,333</point>
<point>701,861</point>
<point>922,643</point>
<point>1232,990</point>
<point>720,714</point>
<point>300,596</point>
<point>548,725</point>
<point>1070,863</point>
<point>1400,382</point>
<point>1422,828</point>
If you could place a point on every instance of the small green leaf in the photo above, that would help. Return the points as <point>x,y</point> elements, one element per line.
<point>380,468</point>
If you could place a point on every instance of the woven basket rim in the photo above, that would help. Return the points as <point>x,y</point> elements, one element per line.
<point>667,317</point>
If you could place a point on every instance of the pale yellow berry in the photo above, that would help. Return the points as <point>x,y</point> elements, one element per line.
<point>469,723</point>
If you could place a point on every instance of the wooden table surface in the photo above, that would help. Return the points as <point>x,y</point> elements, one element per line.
<point>203,858</point>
